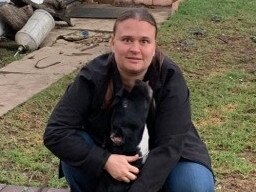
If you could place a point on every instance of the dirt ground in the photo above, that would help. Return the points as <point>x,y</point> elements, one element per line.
<point>236,183</point>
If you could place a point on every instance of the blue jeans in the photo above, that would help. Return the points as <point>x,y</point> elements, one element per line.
<point>187,176</point>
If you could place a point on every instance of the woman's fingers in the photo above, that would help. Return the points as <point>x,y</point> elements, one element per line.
<point>133,169</point>
<point>132,158</point>
<point>130,177</point>
<point>119,167</point>
<point>126,180</point>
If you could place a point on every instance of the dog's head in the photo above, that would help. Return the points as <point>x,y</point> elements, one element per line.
<point>129,117</point>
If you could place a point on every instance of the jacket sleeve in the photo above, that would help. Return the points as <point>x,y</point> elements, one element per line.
<point>172,122</point>
<point>60,135</point>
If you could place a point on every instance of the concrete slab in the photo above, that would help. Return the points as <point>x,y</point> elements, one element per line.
<point>105,25</point>
<point>44,60</point>
<point>20,80</point>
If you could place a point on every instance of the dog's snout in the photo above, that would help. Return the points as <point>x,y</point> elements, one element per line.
<point>117,138</point>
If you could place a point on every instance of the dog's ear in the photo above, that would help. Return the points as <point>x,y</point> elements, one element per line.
<point>142,89</point>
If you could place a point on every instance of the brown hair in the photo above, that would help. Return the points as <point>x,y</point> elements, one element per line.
<point>140,14</point>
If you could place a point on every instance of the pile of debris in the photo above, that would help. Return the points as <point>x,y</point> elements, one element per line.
<point>28,22</point>
<point>16,13</point>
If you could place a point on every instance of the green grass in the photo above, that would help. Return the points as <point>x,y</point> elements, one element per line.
<point>8,49</point>
<point>214,48</point>
<point>229,119</point>
<point>211,41</point>
<point>6,56</point>
<point>23,158</point>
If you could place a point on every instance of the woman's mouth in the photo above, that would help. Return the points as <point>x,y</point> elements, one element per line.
<point>134,58</point>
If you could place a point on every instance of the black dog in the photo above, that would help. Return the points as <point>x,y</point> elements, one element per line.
<point>127,127</point>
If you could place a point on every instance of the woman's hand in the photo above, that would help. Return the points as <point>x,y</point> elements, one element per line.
<point>119,167</point>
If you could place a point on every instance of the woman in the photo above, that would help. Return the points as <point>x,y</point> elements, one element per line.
<point>77,130</point>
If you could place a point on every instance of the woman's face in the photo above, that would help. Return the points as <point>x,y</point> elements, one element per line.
<point>133,45</point>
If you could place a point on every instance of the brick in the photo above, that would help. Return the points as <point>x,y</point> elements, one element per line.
<point>31,189</point>
<point>45,189</point>
<point>58,190</point>
<point>163,2</point>
<point>101,1</point>
<point>2,186</point>
<point>148,2</point>
<point>12,188</point>
<point>145,2</point>
<point>117,2</point>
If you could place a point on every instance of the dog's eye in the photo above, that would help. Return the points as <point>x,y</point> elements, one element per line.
<point>125,103</point>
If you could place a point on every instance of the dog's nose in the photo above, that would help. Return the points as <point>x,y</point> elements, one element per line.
<point>117,139</point>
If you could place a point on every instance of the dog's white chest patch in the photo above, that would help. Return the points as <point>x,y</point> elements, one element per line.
<point>144,145</point>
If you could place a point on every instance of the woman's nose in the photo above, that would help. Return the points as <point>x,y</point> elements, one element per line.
<point>135,47</point>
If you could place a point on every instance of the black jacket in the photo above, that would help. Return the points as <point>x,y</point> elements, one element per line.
<point>171,131</point>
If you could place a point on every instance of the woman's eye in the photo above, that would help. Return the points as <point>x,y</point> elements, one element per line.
<point>127,40</point>
<point>144,41</point>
